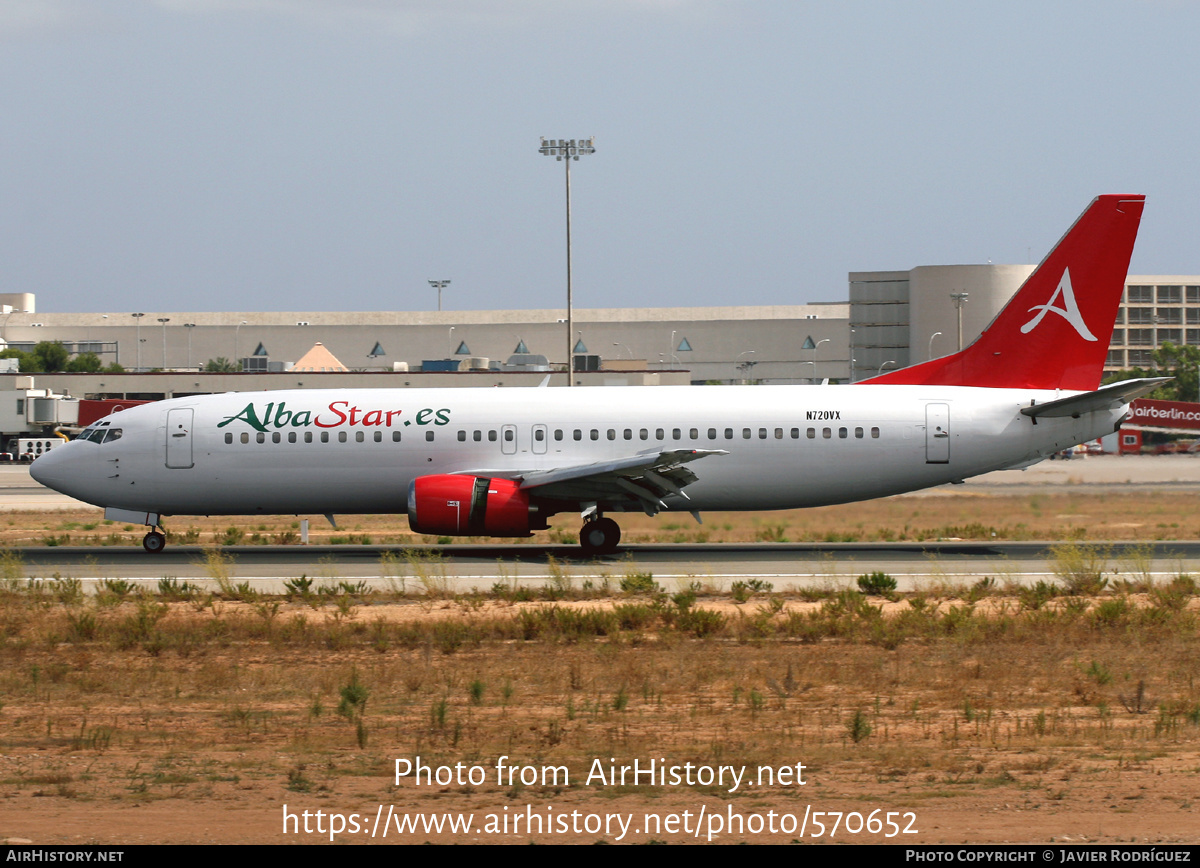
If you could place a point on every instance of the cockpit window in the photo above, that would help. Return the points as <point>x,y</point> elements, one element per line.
<point>101,435</point>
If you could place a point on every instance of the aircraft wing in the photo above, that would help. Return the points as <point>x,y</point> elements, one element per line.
<point>644,479</point>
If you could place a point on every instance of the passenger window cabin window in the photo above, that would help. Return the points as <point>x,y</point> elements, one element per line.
<point>778,433</point>
<point>477,436</point>
<point>628,433</point>
<point>395,436</point>
<point>660,434</point>
<point>228,437</point>
<point>712,433</point>
<point>577,434</point>
<point>558,434</point>
<point>276,437</point>
<point>875,433</point>
<point>694,433</point>
<point>324,436</point>
<point>429,436</point>
<point>539,434</point>
<point>291,437</point>
<point>858,433</point>
<point>812,433</point>
<point>260,437</point>
<point>360,436</point>
<point>308,437</point>
<point>762,433</point>
<point>341,437</point>
<point>795,433</point>
<point>378,436</point>
<point>728,433</point>
<point>745,433</point>
<point>826,433</point>
<point>612,433</point>
<point>842,432</point>
<point>676,434</point>
<point>245,437</point>
<point>462,436</point>
<point>644,434</point>
<point>508,436</point>
<point>595,433</point>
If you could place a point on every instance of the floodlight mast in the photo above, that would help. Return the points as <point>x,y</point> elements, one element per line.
<point>566,150</point>
<point>439,285</point>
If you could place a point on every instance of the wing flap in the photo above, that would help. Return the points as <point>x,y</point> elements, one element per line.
<point>646,479</point>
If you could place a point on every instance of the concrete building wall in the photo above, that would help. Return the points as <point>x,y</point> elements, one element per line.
<point>722,344</point>
<point>988,288</point>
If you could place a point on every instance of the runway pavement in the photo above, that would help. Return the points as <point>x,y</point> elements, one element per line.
<point>463,568</point>
<point>467,567</point>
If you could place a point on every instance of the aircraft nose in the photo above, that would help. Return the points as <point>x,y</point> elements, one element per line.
<point>50,469</point>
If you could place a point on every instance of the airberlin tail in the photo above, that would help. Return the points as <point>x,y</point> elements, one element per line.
<point>1055,332</point>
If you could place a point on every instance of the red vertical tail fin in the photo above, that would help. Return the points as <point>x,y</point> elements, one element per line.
<point>1055,332</point>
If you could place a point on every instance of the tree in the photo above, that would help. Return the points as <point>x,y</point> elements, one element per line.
<point>1182,363</point>
<point>1170,360</point>
<point>85,363</point>
<point>220,365</point>
<point>47,357</point>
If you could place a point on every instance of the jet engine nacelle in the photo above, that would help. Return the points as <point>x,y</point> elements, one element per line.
<point>468,506</point>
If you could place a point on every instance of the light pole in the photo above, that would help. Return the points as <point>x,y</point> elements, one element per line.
<point>619,344</point>
<point>137,318</point>
<point>884,365</point>
<point>566,150</point>
<point>744,367</point>
<point>238,328</point>
<point>164,320</point>
<point>439,285</point>
<point>959,299</point>
<point>189,326</point>
<point>931,337</point>
<point>816,347</point>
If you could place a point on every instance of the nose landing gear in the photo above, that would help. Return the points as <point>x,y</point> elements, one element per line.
<point>599,536</point>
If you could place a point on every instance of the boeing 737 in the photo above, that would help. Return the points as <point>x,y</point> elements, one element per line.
<point>502,463</point>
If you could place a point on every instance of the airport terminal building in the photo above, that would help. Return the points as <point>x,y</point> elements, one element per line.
<point>893,319</point>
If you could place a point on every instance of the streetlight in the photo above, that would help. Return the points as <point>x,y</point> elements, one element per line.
<point>566,150</point>
<point>189,326</point>
<point>235,344</point>
<point>137,318</point>
<point>884,365</point>
<point>439,285</point>
<point>959,299</point>
<point>816,347</point>
<point>744,366</point>
<point>619,344</point>
<point>931,337</point>
<point>164,320</point>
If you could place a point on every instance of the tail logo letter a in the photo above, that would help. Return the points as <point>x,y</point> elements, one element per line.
<point>1069,311</point>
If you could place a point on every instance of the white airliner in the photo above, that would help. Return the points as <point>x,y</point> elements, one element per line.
<point>501,463</point>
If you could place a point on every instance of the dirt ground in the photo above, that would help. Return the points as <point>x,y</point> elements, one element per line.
<point>233,719</point>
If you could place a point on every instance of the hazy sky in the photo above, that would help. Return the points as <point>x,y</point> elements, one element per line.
<point>337,154</point>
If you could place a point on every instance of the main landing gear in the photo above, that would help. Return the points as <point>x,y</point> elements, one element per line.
<point>599,536</point>
<point>154,542</point>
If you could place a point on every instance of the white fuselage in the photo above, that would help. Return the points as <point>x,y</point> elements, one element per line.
<point>357,451</point>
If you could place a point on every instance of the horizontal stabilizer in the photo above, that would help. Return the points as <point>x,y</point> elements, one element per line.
<point>1108,397</point>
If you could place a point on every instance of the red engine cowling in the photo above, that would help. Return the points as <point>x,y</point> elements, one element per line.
<point>467,506</point>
